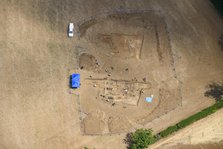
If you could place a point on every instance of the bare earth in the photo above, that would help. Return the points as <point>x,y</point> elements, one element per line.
<point>124,51</point>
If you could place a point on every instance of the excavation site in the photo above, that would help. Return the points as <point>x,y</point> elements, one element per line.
<point>92,74</point>
<point>126,57</point>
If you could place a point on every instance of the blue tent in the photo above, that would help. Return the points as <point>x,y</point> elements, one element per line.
<point>75,80</point>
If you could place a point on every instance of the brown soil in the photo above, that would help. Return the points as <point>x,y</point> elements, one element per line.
<point>88,62</point>
<point>115,127</point>
<point>119,51</point>
<point>95,123</point>
<point>200,146</point>
<point>172,45</point>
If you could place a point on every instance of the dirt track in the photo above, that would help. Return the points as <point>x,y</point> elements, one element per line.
<point>36,59</point>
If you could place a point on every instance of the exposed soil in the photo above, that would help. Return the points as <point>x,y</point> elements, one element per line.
<point>120,51</point>
<point>119,124</point>
<point>167,48</point>
<point>88,62</point>
<point>200,146</point>
<point>95,123</point>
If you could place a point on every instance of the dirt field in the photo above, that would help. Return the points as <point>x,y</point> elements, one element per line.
<point>120,67</point>
<point>124,51</point>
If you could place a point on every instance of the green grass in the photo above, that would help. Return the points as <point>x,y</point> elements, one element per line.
<point>168,131</point>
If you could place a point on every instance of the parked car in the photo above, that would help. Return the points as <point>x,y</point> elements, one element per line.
<point>71,30</point>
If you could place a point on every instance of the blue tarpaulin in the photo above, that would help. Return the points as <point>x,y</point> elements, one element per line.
<point>149,99</point>
<point>75,80</point>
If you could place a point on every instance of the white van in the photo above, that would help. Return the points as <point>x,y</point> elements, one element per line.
<point>71,30</point>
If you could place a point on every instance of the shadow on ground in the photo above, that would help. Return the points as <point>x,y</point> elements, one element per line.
<point>215,90</point>
<point>220,41</point>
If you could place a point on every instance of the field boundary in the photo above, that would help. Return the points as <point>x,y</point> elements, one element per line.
<point>138,138</point>
<point>188,121</point>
